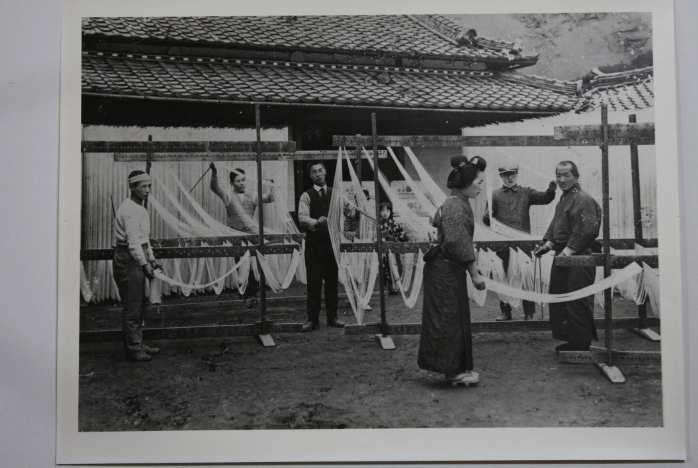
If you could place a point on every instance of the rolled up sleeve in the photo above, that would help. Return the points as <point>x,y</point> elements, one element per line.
<point>304,213</point>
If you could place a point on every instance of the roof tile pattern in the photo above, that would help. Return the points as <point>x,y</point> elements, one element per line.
<point>626,97</point>
<point>386,33</point>
<point>624,91</point>
<point>315,83</point>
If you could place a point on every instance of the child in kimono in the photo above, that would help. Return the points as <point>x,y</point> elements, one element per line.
<point>391,232</point>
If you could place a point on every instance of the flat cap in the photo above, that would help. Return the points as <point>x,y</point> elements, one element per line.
<point>508,167</point>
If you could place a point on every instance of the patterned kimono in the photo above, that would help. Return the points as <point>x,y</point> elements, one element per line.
<point>446,341</point>
<point>392,232</point>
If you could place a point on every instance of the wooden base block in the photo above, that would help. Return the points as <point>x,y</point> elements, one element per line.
<point>598,355</point>
<point>647,334</point>
<point>385,341</point>
<point>612,373</point>
<point>266,340</point>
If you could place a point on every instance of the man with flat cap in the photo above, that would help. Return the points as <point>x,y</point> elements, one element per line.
<point>510,206</point>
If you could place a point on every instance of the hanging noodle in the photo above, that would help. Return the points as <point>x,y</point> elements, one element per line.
<point>200,224</point>
<point>357,270</point>
<point>651,279</point>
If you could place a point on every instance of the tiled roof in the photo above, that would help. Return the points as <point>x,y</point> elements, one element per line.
<point>238,80</point>
<point>606,80</point>
<point>424,35</point>
<point>631,90</point>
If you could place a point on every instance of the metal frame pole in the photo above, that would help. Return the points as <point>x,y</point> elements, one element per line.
<point>260,204</point>
<point>608,312</point>
<point>379,237</point>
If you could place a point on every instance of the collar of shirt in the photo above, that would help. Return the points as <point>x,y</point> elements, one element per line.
<point>318,188</point>
<point>513,188</point>
<point>574,189</point>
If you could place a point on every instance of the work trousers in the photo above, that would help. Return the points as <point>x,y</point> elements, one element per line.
<point>573,320</point>
<point>321,266</point>
<point>130,280</point>
<point>528,307</point>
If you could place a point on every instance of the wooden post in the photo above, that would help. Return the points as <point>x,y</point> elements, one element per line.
<point>637,207</point>
<point>84,208</point>
<point>386,342</point>
<point>644,330</point>
<point>608,369</point>
<point>298,169</point>
<point>606,231</point>
<point>147,170</point>
<point>264,336</point>
<point>635,169</point>
<point>359,164</point>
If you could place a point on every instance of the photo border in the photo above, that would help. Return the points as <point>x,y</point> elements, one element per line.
<point>367,445</point>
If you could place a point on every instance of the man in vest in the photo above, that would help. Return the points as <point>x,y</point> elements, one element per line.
<point>510,206</point>
<point>320,263</point>
<point>246,202</point>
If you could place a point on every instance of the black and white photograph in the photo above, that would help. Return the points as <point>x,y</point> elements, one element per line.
<point>276,225</point>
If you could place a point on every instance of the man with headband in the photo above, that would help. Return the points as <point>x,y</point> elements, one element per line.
<point>133,263</point>
<point>510,206</point>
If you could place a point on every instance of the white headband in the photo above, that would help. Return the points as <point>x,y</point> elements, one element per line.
<point>138,178</point>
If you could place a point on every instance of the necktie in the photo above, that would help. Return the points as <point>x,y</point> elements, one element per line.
<point>322,194</point>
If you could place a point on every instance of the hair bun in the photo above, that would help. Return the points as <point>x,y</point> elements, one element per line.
<point>478,162</point>
<point>458,160</point>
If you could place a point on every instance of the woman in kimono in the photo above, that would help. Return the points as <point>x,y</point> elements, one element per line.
<point>446,340</point>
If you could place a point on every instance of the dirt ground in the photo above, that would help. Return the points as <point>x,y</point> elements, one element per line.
<point>326,379</point>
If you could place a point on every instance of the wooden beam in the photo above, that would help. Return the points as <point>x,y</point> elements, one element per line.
<point>617,261</point>
<point>186,146</point>
<point>525,245</point>
<point>631,131</point>
<point>246,156</point>
<point>490,326</point>
<point>235,240</point>
<point>395,247</point>
<point>528,246</point>
<point>164,246</point>
<point>480,141</point>
<point>192,252</point>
